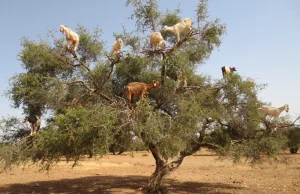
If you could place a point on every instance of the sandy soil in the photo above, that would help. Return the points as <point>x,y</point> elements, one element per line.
<point>200,173</point>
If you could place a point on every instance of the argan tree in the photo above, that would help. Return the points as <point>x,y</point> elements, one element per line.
<point>89,114</point>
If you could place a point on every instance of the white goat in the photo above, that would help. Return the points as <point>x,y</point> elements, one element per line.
<point>183,26</point>
<point>71,37</point>
<point>181,78</point>
<point>157,41</point>
<point>116,47</point>
<point>273,111</point>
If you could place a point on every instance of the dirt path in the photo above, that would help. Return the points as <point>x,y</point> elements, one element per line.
<point>200,173</point>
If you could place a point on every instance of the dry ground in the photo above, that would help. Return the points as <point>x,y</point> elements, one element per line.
<point>200,173</point>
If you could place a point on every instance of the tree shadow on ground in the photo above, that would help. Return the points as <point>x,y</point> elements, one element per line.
<point>113,184</point>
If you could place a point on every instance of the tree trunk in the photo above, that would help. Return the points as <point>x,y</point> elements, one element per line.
<point>155,181</point>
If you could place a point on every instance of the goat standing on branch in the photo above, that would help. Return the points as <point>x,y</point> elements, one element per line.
<point>35,123</point>
<point>139,88</point>
<point>157,41</point>
<point>184,26</point>
<point>227,70</point>
<point>117,47</point>
<point>181,78</point>
<point>273,111</point>
<point>71,37</point>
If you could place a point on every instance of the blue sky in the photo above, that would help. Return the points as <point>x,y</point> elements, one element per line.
<point>262,40</point>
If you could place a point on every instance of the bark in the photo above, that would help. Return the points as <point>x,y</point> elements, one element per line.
<point>163,168</point>
<point>155,181</point>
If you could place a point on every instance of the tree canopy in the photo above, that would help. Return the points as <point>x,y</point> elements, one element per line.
<point>90,114</point>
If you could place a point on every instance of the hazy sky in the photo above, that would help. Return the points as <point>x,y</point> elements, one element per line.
<point>262,40</point>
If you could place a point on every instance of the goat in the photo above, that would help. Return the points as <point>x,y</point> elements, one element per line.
<point>273,111</point>
<point>181,78</point>
<point>183,26</point>
<point>156,40</point>
<point>116,47</point>
<point>227,70</point>
<point>71,37</point>
<point>35,123</point>
<point>139,88</point>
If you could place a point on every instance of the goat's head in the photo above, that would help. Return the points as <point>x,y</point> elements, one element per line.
<point>164,28</point>
<point>120,41</point>
<point>25,119</point>
<point>188,21</point>
<point>62,28</point>
<point>233,69</point>
<point>163,43</point>
<point>155,84</point>
<point>286,108</point>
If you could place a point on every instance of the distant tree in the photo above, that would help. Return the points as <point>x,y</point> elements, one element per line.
<point>90,115</point>
<point>12,129</point>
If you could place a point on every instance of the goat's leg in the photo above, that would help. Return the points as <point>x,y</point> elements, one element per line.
<point>177,83</point>
<point>130,100</point>
<point>75,44</point>
<point>142,96</point>
<point>34,128</point>
<point>31,129</point>
<point>184,82</point>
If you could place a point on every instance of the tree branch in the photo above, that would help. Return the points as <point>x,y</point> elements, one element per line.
<point>106,97</point>
<point>112,64</point>
<point>76,58</point>
<point>82,64</point>
<point>90,89</point>
<point>288,125</point>
<point>82,82</point>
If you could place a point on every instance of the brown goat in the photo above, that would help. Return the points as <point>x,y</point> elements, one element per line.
<point>139,88</point>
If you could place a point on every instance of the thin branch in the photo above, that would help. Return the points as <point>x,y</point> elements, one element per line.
<point>82,82</point>
<point>288,125</point>
<point>106,97</point>
<point>112,64</point>
<point>90,89</point>
<point>82,64</point>
<point>76,58</point>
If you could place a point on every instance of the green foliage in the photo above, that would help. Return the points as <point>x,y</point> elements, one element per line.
<point>146,14</point>
<point>202,11</point>
<point>29,90</point>
<point>12,129</point>
<point>90,117</point>
<point>91,45</point>
<point>255,149</point>
<point>293,136</point>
